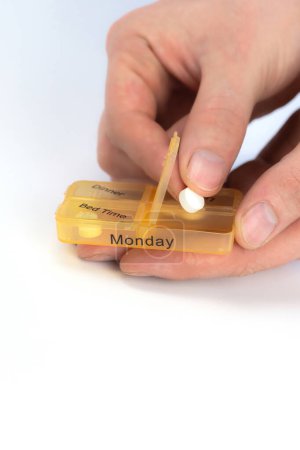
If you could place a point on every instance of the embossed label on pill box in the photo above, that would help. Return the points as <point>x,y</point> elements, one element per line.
<point>105,213</point>
<point>105,190</point>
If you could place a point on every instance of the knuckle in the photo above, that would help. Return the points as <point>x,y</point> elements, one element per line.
<point>294,178</point>
<point>113,33</point>
<point>119,29</point>
<point>289,186</point>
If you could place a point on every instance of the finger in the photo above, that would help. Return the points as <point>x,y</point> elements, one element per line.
<point>272,204</point>
<point>137,85</point>
<point>215,130</point>
<point>113,160</point>
<point>100,253</point>
<point>282,143</point>
<point>181,266</point>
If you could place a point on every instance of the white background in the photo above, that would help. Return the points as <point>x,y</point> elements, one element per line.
<point>90,358</point>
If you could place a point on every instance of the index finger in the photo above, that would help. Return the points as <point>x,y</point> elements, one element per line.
<point>137,86</point>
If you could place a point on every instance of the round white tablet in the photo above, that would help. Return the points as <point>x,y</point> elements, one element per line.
<point>190,201</point>
<point>89,230</point>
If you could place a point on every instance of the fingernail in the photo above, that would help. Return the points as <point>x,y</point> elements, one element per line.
<point>206,170</point>
<point>258,223</point>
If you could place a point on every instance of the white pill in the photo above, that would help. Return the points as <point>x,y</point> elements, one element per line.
<point>190,201</point>
<point>89,230</point>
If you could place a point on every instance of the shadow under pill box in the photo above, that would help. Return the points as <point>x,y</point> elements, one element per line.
<point>137,215</point>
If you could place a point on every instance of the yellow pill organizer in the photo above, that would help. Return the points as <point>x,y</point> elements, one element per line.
<point>138,215</point>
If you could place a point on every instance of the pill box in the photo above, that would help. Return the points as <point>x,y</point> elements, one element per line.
<point>138,215</point>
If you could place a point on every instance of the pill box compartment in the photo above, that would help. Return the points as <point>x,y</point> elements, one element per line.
<point>91,210</point>
<point>118,214</point>
<point>210,230</point>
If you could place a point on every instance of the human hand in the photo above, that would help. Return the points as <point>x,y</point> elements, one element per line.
<point>205,69</point>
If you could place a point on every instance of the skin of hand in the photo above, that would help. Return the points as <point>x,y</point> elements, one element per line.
<point>206,68</point>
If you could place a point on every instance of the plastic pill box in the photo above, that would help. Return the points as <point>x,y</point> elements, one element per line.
<point>138,215</point>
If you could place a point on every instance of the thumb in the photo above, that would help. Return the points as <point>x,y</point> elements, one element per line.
<point>214,133</point>
<point>272,204</point>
